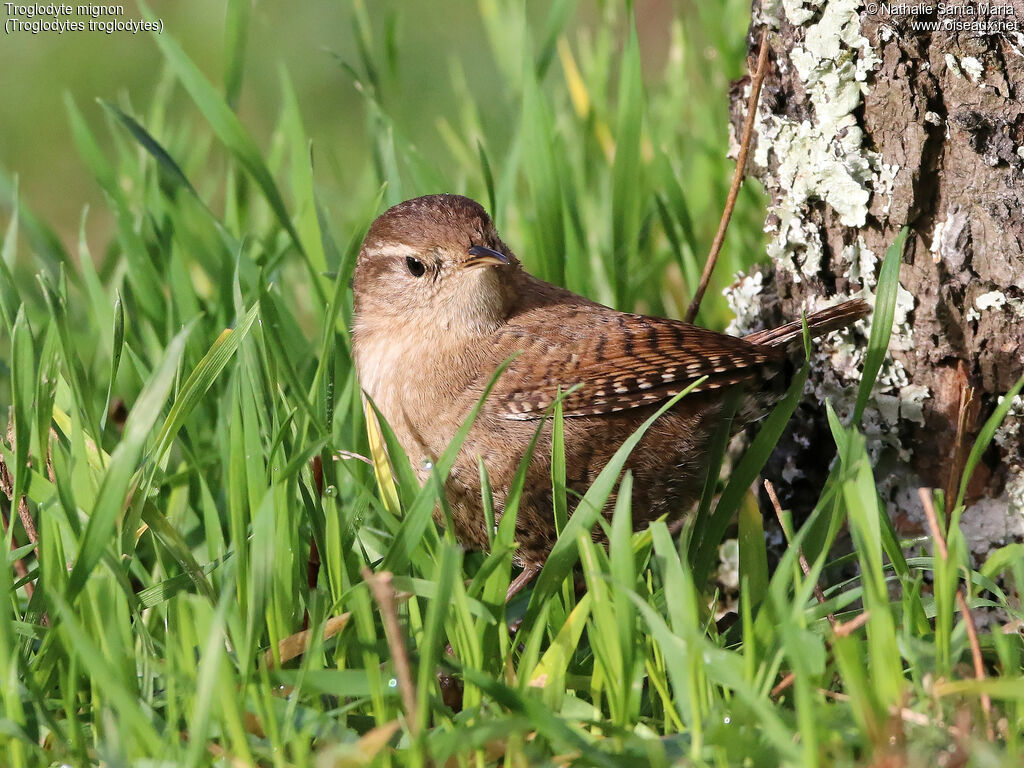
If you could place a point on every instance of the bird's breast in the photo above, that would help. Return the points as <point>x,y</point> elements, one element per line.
<point>421,386</point>
<point>379,359</point>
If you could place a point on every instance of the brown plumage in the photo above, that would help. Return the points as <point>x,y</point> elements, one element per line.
<point>440,302</point>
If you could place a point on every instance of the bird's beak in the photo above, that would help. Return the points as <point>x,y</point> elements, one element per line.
<point>480,256</point>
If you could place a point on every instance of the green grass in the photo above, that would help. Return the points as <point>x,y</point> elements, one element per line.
<point>158,620</point>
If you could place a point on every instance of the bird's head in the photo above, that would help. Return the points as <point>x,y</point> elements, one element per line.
<point>436,264</point>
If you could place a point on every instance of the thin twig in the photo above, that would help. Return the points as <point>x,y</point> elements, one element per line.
<point>521,581</point>
<point>349,455</point>
<point>979,664</point>
<point>783,684</point>
<point>737,179</point>
<point>961,599</point>
<point>842,629</point>
<point>800,553</point>
<point>384,594</point>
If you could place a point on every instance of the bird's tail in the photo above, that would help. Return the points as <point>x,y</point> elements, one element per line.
<point>819,323</point>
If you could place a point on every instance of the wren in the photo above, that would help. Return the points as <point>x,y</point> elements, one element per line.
<point>441,302</point>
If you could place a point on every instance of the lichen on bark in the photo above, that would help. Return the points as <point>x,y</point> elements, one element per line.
<point>868,123</point>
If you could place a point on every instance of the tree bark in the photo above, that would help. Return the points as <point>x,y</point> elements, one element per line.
<point>870,121</point>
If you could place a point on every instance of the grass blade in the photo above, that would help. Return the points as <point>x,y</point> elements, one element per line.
<point>236,35</point>
<point>881,323</point>
<point>123,462</point>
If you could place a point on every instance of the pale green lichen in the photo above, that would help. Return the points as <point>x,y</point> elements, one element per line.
<point>905,303</point>
<point>990,300</point>
<point>967,65</point>
<point>823,158</point>
<point>797,11</point>
<point>1009,432</point>
<point>813,165</point>
<point>947,233</point>
<point>885,183</point>
<point>861,261</point>
<point>973,67</point>
<point>912,399</point>
<point>741,296</point>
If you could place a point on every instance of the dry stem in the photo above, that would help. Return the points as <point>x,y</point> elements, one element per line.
<point>737,179</point>
<point>384,594</point>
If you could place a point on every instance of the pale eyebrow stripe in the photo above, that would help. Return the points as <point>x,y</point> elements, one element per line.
<point>392,249</point>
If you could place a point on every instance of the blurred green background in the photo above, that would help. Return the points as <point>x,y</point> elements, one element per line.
<point>441,52</point>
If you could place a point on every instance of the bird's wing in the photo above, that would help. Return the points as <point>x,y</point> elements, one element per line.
<point>618,361</point>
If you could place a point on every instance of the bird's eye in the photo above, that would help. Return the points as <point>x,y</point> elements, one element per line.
<point>416,268</point>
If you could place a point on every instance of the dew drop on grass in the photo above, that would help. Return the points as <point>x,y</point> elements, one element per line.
<point>331,490</point>
<point>392,683</point>
<point>427,465</point>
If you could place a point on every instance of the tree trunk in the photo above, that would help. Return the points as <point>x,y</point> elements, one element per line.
<point>870,121</point>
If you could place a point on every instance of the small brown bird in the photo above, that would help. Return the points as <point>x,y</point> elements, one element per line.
<point>441,302</point>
